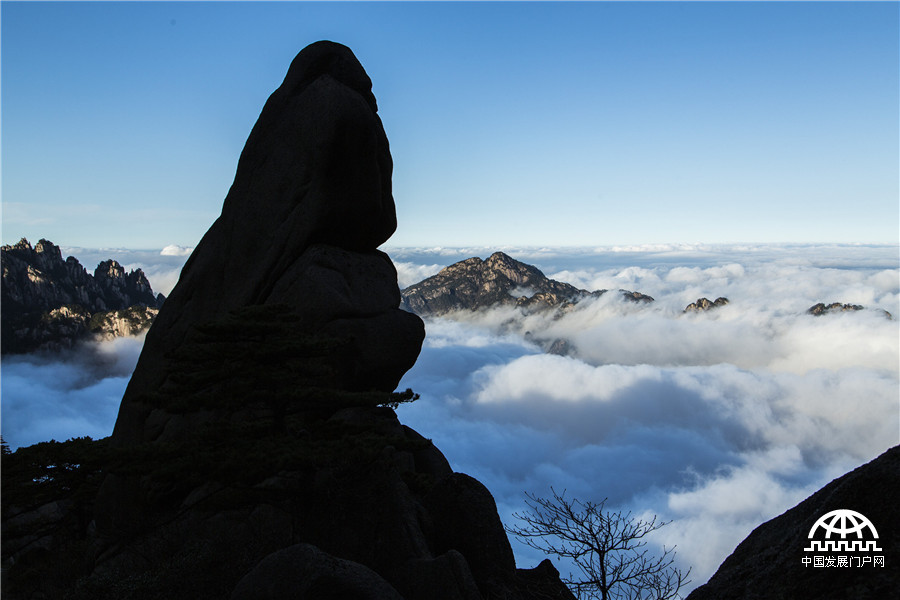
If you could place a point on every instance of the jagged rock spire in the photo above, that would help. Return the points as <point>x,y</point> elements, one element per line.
<point>310,203</point>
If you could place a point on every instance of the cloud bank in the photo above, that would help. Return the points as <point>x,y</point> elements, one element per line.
<point>61,396</point>
<point>717,421</point>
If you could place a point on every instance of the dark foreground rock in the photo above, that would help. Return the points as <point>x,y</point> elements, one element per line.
<point>474,284</point>
<point>257,453</point>
<point>310,203</point>
<point>322,506</point>
<point>50,304</point>
<point>304,571</point>
<point>769,564</point>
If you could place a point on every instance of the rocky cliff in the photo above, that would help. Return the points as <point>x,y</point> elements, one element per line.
<point>257,454</point>
<point>771,563</point>
<point>473,284</point>
<point>51,303</point>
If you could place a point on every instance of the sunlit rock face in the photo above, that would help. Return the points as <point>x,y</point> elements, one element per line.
<point>705,304</point>
<point>310,203</point>
<point>500,280</point>
<point>474,283</point>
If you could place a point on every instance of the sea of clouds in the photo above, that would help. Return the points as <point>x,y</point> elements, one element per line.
<point>716,421</point>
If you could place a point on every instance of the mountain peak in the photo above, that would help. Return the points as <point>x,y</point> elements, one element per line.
<point>46,247</point>
<point>502,257</point>
<point>22,244</point>
<point>501,280</point>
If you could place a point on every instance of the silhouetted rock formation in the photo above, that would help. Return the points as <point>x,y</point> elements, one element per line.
<point>704,304</point>
<point>769,563</point>
<point>473,284</point>
<point>256,454</point>
<point>49,303</point>
<point>310,203</point>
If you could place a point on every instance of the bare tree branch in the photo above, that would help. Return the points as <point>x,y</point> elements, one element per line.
<point>608,548</point>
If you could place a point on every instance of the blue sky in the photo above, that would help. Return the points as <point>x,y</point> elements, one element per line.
<point>510,123</point>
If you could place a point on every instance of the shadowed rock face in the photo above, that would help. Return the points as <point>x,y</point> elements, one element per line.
<point>310,203</point>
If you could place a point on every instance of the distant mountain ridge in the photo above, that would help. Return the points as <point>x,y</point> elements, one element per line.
<point>501,280</point>
<point>51,303</point>
<point>474,284</point>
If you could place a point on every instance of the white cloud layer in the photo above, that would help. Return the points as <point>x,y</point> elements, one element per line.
<point>66,395</point>
<point>718,421</point>
<point>176,250</point>
<point>409,273</point>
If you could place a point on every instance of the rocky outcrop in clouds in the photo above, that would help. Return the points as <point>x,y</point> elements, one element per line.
<point>49,303</point>
<point>499,281</point>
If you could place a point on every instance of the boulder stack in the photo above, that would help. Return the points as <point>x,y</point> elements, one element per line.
<point>299,229</point>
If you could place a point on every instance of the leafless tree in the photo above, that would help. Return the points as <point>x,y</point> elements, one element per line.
<point>607,548</point>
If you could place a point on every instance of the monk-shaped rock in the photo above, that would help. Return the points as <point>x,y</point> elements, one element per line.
<point>299,230</point>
